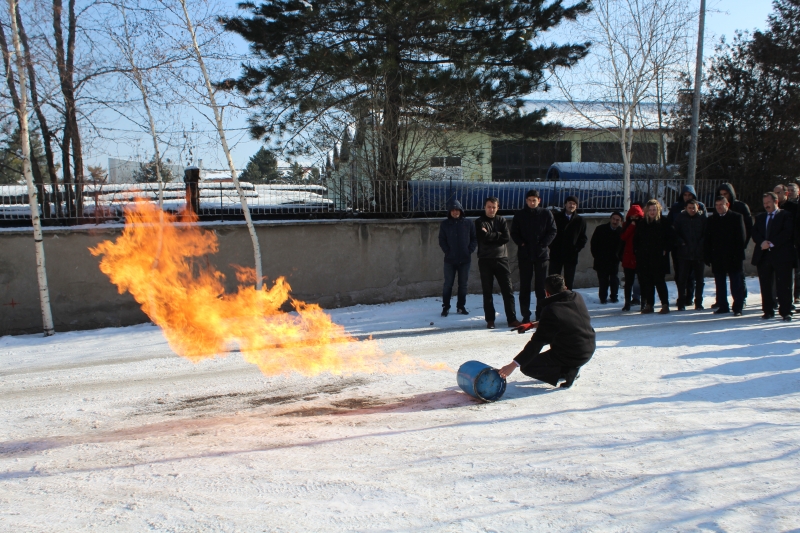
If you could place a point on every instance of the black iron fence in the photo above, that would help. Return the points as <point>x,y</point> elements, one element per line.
<point>99,203</point>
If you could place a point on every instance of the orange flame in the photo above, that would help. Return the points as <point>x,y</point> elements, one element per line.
<point>159,261</point>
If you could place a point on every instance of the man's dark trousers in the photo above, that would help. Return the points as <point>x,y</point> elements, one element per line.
<point>782,272</point>
<point>737,289</point>
<point>545,367</point>
<point>569,271</point>
<point>450,271</point>
<point>491,268</point>
<point>528,271</point>
<point>608,280</point>
<point>690,282</point>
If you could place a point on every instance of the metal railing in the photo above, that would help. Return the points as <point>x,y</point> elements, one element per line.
<point>99,203</point>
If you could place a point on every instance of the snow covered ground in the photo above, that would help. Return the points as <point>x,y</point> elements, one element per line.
<point>685,422</point>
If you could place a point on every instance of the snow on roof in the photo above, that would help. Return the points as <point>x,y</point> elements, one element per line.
<point>594,114</point>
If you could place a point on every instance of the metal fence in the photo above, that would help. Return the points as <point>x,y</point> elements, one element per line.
<point>99,203</point>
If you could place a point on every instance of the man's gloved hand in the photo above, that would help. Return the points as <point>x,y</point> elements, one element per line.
<point>522,328</point>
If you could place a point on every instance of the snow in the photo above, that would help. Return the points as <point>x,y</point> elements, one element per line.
<point>684,422</point>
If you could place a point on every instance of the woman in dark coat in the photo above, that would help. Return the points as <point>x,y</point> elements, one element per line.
<point>651,245</point>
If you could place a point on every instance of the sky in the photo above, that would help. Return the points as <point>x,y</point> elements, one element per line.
<point>723,18</point>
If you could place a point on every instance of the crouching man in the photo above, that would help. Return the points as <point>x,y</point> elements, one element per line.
<point>565,325</point>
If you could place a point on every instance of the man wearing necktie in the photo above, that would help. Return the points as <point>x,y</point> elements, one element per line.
<point>773,233</point>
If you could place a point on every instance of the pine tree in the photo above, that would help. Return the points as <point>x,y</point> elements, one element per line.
<point>460,64</point>
<point>262,167</point>
<point>146,173</point>
<point>10,161</point>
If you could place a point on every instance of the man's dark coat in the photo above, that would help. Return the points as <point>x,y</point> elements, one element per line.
<point>725,238</point>
<point>565,325</point>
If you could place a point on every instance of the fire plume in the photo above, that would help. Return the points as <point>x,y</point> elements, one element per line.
<point>161,262</point>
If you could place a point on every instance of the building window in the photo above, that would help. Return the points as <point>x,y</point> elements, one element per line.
<point>446,168</point>
<point>610,152</point>
<point>527,160</point>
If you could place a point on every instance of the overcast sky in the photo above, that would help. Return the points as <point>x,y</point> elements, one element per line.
<point>723,18</point>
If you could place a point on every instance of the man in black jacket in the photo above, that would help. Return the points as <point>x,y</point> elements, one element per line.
<point>724,251</point>
<point>690,232</point>
<point>605,246</point>
<point>493,236</point>
<point>532,229</point>
<point>570,240</point>
<point>458,240</point>
<point>737,206</point>
<point>688,192</point>
<point>774,255</point>
<point>564,325</point>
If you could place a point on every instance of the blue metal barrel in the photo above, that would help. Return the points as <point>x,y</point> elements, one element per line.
<point>481,381</point>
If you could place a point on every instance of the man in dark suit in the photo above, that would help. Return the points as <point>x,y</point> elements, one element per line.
<point>564,325</point>
<point>724,251</point>
<point>570,240</point>
<point>532,229</point>
<point>774,255</point>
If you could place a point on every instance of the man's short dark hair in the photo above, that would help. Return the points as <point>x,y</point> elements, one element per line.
<point>692,201</point>
<point>771,195</point>
<point>721,199</point>
<point>492,199</point>
<point>554,284</point>
<point>617,214</point>
<point>532,192</point>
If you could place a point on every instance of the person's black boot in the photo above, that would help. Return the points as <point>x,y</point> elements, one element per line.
<point>569,378</point>
<point>445,311</point>
<point>462,311</point>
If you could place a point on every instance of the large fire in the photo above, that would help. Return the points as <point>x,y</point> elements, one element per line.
<point>161,262</point>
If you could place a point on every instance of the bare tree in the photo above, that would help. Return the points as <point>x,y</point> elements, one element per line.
<point>21,108</point>
<point>180,8</point>
<point>638,49</point>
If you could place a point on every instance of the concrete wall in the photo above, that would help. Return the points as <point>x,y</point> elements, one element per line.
<point>333,263</point>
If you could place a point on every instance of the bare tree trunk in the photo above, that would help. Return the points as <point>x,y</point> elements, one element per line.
<point>46,135</point>
<point>223,140</point>
<point>65,61</point>
<point>22,115</point>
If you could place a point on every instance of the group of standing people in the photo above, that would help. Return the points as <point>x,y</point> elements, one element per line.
<point>695,238</point>
<point>646,243</point>
<point>547,243</point>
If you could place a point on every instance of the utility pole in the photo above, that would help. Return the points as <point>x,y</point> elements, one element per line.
<point>698,80</point>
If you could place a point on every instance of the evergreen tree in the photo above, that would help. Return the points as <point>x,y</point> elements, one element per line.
<point>750,113</point>
<point>262,167</point>
<point>461,64</point>
<point>146,173</point>
<point>10,156</point>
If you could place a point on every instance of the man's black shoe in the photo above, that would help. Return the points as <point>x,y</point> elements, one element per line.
<point>514,323</point>
<point>490,325</point>
<point>714,305</point>
<point>614,300</point>
<point>445,311</point>
<point>699,307</point>
<point>569,379</point>
<point>626,307</point>
<point>681,308</point>
<point>604,302</point>
<point>722,311</point>
<point>737,313</point>
<point>462,311</point>
<point>767,316</point>
<point>787,318</point>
